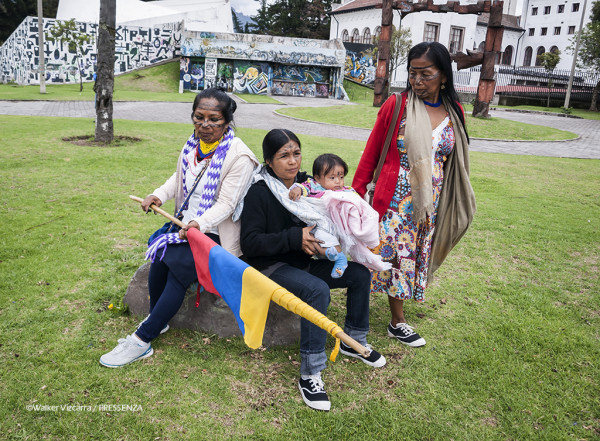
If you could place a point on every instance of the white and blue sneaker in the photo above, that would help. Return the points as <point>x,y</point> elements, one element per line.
<point>162,331</point>
<point>127,351</point>
<point>313,392</point>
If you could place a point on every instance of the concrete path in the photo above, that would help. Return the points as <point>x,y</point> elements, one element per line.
<point>261,116</point>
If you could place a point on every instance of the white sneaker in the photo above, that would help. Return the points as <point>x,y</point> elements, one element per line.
<point>313,392</point>
<point>128,350</point>
<point>162,331</point>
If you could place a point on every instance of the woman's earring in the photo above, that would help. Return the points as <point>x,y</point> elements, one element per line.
<point>443,86</point>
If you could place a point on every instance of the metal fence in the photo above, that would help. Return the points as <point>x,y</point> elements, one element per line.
<point>532,83</point>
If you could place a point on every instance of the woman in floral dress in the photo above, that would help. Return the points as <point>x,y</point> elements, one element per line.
<point>423,196</point>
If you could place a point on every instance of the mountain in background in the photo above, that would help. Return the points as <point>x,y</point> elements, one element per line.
<point>243,20</point>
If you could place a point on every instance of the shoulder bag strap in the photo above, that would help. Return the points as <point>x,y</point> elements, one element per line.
<point>388,139</point>
<point>193,188</point>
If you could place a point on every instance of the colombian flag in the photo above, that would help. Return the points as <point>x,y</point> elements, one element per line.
<point>246,291</point>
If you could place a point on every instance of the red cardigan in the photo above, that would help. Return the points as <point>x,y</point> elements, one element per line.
<point>386,184</point>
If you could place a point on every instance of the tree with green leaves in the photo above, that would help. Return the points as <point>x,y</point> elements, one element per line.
<point>400,44</point>
<point>293,18</point>
<point>588,56</point>
<point>13,12</point>
<point>549,61</point>
<point>237,25</point>
<point>67,32</point>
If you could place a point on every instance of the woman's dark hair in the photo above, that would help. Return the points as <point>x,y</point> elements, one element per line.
<point>440,57</point>
<point>276,139</point>
<point>227,105</point>
<point>325,163</point>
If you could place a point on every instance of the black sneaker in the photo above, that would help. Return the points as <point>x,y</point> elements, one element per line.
<point>313,392</point>
<point>406,335</point>
<point>375,359</point>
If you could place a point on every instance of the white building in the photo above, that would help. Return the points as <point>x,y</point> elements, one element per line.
<point>197,15</point>
<point>550,25</point>
<point>359,21</point>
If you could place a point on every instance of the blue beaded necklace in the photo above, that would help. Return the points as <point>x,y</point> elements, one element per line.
<point>427,103</point>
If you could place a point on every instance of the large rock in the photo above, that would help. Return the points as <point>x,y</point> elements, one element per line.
<point>212,315</point>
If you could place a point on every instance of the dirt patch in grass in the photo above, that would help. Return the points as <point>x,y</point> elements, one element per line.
<point>89,141</point>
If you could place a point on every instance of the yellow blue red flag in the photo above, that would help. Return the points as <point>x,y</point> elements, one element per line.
<point>246,291</point>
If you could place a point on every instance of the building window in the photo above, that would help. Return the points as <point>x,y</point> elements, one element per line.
<point>345,36</point>
<point>534,11</point>
<point>456,39</point>
<point>571,30</point>
<point>557,30</point>
<point>432,32</point>
<point>544,31</point>
<point>561,9</point>
<point>554,50</point>
<point>575,7</point>
<point>507,55</point>
<point>355,36</point>
<point>481,47</point>
<point>527,57</point>
<point>531,32</point>
<point>376,34</point>
<point>540,51</point>
<point>366,36</point>
<point>546,10</point>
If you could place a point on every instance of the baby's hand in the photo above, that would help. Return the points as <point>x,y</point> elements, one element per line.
<point>295,193</point>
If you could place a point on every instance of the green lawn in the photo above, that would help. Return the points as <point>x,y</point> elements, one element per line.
<point>364,116</point>
<point>257,98</point>
<point>512,320</point>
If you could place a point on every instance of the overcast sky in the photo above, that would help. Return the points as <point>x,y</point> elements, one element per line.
<point>246,7</point>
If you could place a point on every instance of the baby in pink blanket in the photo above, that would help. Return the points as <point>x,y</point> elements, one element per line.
<point>357,222</point>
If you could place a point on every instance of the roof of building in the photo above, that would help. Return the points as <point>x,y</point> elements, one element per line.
<point>357,5</point>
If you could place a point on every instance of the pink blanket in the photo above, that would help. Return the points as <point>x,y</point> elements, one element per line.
<point>358,227</point>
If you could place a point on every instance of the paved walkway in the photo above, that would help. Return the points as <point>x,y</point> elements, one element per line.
<point>261,116</point>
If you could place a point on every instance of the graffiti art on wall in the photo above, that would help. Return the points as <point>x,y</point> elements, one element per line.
<point>301,73</point>
<point>243,50</point>
<point>251,77</point>
<point>135,47</point>
<point>360,63</point>
<point>191,73</point>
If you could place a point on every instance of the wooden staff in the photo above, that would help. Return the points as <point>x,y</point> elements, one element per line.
<point>160,211</point>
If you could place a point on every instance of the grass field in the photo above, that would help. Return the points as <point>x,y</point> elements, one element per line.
<point>512,319</point>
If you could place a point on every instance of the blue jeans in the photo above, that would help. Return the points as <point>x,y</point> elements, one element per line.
<point>312,286</point>
<point>168,281</point>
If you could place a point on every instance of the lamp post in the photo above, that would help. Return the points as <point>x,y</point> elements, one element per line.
<point>570,85</point>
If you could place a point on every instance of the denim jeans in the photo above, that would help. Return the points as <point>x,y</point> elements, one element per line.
<point>168,281</point>
<point>312,286</point>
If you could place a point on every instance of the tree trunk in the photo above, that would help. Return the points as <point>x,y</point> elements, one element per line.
<point>42,62</point>
<point>594,104</point>
<point>80,75</point>
<point>549,92</point>
<point>105,69</point>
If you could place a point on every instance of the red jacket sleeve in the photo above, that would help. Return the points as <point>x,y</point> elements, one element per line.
<point>386,184</point>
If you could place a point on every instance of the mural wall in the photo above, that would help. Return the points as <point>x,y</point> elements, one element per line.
<point>261,64</point>
<point>360,63</point>
<point>135,47</point>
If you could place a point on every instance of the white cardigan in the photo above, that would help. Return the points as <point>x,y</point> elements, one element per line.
<point>236,174</point>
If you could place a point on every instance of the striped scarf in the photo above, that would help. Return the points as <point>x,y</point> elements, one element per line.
<point>213,176</point>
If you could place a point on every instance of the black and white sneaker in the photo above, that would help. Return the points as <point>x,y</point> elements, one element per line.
<point>373,360</point>
<point>406,335</point>
<point>313,392</point>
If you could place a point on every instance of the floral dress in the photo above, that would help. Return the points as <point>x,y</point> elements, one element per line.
<point>402,242</point>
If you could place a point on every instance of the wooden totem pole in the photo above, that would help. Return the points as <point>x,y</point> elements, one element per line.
<point>493,46</point>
